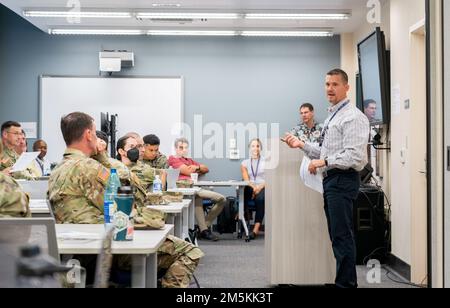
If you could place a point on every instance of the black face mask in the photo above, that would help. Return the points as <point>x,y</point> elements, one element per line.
<point>133,155</point>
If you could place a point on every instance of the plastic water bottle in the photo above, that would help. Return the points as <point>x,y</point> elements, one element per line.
<point>110,195</point>
<point>157,185</point>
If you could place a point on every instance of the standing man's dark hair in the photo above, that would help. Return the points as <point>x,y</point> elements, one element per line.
<point>74,125</point>
<point>307,105</point>
<point>367,102</point>
<point>339,72</point>
<point>152,140</point>
<point>9,124</point>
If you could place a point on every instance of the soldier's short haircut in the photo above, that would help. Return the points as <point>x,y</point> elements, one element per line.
<point>181,140</point>
<point>152,140</point>
<point>102,135</point>
<point>74,125</point>
<point>9,124</point>
<point>133,135</point>
<point>339,72</point>
<point>307,105</point>
<point>36,145</point>
<point>367,102</point>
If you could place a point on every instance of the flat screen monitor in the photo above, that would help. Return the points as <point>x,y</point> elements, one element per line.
<point>374,78</point>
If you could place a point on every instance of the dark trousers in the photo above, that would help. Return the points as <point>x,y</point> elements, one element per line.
<point>340,191</point>
<point>259,203</point>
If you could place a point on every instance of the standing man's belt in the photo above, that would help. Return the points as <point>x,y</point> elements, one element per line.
<point>335,171</point>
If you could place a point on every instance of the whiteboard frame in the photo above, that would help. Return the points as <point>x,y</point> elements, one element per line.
<point>40,94</point>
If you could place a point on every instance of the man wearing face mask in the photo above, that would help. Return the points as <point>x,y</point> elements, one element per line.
<point>128,153</point>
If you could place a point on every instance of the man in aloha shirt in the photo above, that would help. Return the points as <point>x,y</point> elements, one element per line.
<point>309,130</point>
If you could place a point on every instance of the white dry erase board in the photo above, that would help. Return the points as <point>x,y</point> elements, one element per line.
<point>146,105</point>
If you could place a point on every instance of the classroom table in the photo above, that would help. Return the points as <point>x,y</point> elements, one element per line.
<point>87,240</point>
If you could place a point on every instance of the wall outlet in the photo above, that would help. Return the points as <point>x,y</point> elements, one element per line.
<point>234,154</point>
<point>233,144</point>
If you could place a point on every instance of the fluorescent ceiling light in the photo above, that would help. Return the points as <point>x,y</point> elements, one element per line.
<point>95,32</point>
<point>188,16</point>
<point>75,14</point>
<point>288,33</point>
<point>305,33</point>
<point>303,16</point>
<point>191,33</point>
<point>166,5</point>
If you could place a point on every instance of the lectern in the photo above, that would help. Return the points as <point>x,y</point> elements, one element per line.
<point>298,247</point>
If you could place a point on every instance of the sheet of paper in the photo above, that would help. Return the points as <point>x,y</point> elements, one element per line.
<point>25,161</point>
<point>38,204</point>
<point>313,181</point>
<point>79,236</point>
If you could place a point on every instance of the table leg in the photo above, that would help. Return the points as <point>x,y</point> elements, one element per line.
<point>185,219</point>
<point>178,226</point>
<point>192,213</point>
<point>138,279</point>
<point>241,211</point>
<point>152,271</point>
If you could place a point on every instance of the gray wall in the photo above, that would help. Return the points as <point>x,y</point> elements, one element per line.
<point>226,79</point>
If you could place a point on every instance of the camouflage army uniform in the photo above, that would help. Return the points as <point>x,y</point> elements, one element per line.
<point>76,189</point>
<point>144,172</point>
<point>13,201</point>
<point>160,162</point>
<point>8,159</point>
<point>305,134</point>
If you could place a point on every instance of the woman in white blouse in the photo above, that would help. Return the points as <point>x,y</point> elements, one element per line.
<point>253,172</point>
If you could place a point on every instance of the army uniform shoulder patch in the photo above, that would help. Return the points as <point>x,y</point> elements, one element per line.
<point>103,175</point>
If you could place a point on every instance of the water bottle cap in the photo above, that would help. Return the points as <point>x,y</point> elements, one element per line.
<point>113,171</point>
<point>30,251</point>
<point>125,190</point>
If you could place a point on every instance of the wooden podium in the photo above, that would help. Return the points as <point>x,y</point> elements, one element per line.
<point>298,247</point>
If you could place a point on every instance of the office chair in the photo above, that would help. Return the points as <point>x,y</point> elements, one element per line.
<point>18,232</point>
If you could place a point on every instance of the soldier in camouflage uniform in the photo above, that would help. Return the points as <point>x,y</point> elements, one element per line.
<point>309,130</point>
<point>76,189</point>
<point>152,155</point>
<point>11,137</point>
<point>13,201</point>
<point>142,197</point>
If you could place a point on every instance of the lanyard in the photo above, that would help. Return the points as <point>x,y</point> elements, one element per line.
<point>324,131</point>
<point>41,164</point>
<point>257,168</point>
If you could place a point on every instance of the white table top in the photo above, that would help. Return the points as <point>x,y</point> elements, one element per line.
<point>144,243</point>
<point>222,183</point>
<point>186,191</point>
<point>39,206</point>
<point>172,208</point>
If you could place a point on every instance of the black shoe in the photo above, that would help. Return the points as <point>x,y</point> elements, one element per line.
<point>252,236</point>
<point>207,235</point>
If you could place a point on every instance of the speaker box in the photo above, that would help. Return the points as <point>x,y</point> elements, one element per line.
<point>369,225</point>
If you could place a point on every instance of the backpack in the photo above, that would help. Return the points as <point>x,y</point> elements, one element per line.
<point>226,222</point>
